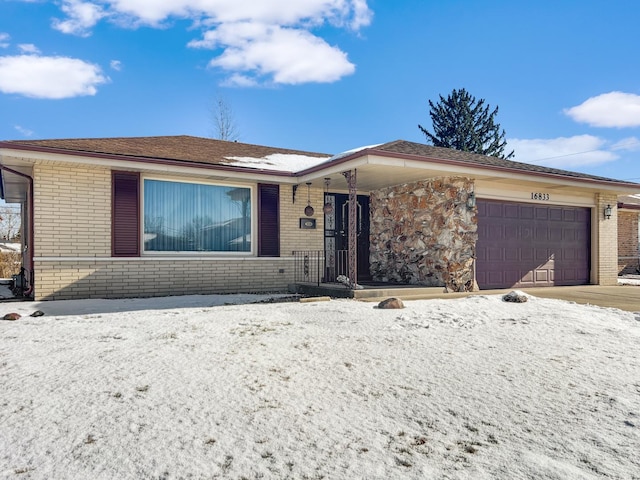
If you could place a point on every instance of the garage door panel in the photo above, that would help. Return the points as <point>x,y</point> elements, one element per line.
<point>568,235</point>
<point>527,254</point>
<point>524,279</point>
<point>542,276</point>
<point>495,210</point>
<point>555,234</point>
<point>511,232</point>
<point>532,245</point>
<point>542,234</point>
<point>495,278</point>
<point>583,215</point>
<point>526,232</point>
<point>555,214</point>
<point>511,211</point>
<point>526,212</point>
<point>495,254</point>
<point>542,213</point>
<point>542,255</point>
<point>512,254</point>
<point>495,232</point>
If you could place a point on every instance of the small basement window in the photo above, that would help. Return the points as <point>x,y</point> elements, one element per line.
<point>196,217</point>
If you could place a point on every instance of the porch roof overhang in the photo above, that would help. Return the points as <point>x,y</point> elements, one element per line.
<point>379,169</point>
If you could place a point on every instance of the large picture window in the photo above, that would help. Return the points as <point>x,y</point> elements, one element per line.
<point>193,217</point>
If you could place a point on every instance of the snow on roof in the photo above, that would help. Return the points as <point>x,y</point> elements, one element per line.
<point>283,162</point>
<point>353,150</point>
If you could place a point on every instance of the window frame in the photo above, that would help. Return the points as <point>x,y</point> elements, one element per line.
<point>253,252</point>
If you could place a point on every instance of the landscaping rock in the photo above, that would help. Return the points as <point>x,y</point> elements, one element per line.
<point>37,313</point>
<point>515,296</point>
<point>391,303</point>
<point>12,316</point>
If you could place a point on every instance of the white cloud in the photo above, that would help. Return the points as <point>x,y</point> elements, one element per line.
<point>82,16</point>
<point>613,109</point>
<point>288,56</point>
<point>262,41</point>
<point>238,80</point>
<point>354,13</point>
<point>4,40</point>
<point>49,77</point>
<point>28,48</point>
<point>562,152</point>
<point>116,65</point>
<point>23,131</point>
<point>630,144</point>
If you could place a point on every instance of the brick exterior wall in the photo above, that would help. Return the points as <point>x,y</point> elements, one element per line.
<point>149,277</point>
<point>72,211</point>
<point>607,240</point>
<point>72,251</point>
<point>292,237</point>
<point>628,245</point>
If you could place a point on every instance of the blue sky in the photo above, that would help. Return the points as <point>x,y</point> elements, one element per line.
<point>328,75</point>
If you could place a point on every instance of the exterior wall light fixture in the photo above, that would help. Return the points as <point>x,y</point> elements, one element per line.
<point>328,207</point>
<point>607,212</point>
<point>471,201</point>
<point>308,210</point>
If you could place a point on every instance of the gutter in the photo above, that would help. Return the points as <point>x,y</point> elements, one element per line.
<point>30,244</point>
<point>629,206</point>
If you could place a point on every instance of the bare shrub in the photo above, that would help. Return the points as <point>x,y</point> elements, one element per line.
<point>10,264</point>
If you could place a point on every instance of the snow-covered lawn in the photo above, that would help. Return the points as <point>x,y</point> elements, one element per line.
<point>199,388</point>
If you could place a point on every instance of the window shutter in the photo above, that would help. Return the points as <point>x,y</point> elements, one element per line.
<point>125,214</point>
<point>268,220</point>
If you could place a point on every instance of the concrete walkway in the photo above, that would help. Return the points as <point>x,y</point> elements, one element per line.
<point>624,297</point>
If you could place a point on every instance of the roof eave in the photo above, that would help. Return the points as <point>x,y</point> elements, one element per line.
<point>612,184</point>
<point>148,160</point>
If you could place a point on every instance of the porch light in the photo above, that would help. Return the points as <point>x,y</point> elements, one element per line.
<point>607,212</point>
<point>308,210</point>
<point>471,201</point>
<point>328,208</point>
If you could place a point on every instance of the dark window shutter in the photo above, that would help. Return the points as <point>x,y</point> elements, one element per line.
<point>125,214</point>
<point>268,220</point>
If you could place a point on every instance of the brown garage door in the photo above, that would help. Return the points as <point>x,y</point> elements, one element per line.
<point>531,245</point>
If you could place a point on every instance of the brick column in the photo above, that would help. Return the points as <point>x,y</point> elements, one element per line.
<point>607,240</point>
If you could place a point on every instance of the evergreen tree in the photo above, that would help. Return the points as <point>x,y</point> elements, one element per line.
<point>464,123</point>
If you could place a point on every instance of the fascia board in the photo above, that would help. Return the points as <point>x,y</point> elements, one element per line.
<point>152,165</point>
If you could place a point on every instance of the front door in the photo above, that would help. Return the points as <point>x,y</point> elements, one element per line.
<point>337,235</point>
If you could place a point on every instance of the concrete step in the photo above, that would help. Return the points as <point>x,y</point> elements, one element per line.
<point>369,293</point>
<point>400,292</point>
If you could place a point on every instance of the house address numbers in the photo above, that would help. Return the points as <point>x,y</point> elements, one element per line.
<point>540,196</point>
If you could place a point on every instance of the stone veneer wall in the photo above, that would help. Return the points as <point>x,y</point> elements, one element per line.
<point>423,233</point>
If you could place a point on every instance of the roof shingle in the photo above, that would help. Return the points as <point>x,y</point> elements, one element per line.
<point>183,148</point>
<point>404,147</point>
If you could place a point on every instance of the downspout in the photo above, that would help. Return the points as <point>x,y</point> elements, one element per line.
<point>31,242</point>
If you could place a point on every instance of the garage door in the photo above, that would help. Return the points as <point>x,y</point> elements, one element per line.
<point>531,245</point>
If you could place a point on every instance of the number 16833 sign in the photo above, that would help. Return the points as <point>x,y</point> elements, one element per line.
<point>540,196</point>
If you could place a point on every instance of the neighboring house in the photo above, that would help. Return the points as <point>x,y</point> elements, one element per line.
<point>629,234</point>
<point>123,217</point>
